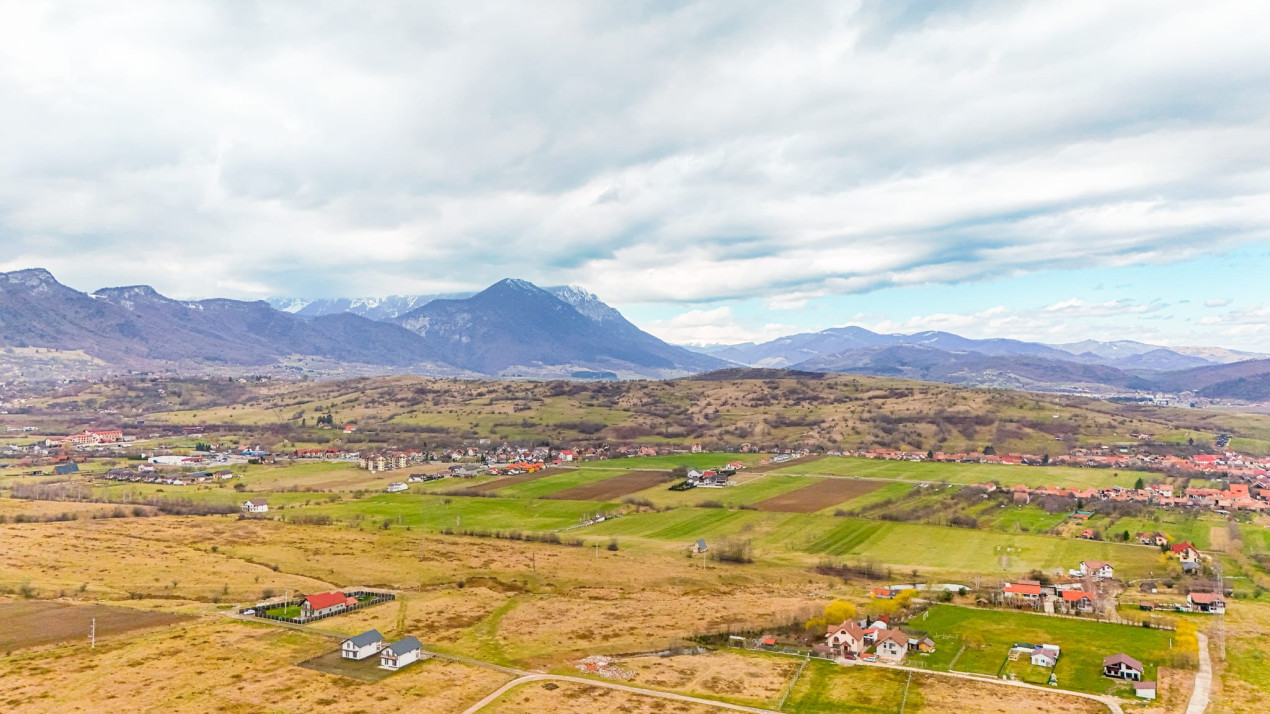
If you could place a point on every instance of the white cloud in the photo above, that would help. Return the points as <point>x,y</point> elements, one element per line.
<point>712,327</point>
<point>1223,302</point>
<point>681,152</point>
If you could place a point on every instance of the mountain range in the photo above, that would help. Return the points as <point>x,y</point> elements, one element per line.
<point>516,329</point>
<point>512,328</point>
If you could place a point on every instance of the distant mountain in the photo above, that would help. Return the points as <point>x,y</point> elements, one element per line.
<point>381,309</point>
<point>1124,354</point>
<point>513,327</point>
<point>136,327</point>
<point>1008,371</point>
<point>517,328</point>
<point>1224,381</point>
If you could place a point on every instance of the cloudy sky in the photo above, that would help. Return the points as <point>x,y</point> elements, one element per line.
<point>720,171</point>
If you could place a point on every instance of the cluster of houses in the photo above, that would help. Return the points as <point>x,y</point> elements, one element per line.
<point>713,478</point>
<point>88,438</point>
<point>1067,599</point>
<point>1228,463</point>
<point>392,655</point>
<point>146,473</point>
<point>853,640</point>
<point>1236,496</point>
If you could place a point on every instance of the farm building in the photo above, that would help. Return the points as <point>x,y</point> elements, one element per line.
<point>66,469</point>
<point>1207,602</point>
<point>1122,666</point>
<point>256,505</point>
<point>396,487</point>
<point>361,646</point>
<point>325,604</point>
<point>699,546</point>
<point>1144,690</point>
<point>400,653</point>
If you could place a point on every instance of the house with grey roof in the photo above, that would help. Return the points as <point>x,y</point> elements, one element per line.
<point>361,646</point>
<point>400,653</point>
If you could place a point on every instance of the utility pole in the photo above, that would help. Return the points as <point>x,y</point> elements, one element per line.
<point>1221,618</point>
<point>92,635</point>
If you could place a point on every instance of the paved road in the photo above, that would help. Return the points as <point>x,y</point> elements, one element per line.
<point>1203,679</point>
<point>610,685</point>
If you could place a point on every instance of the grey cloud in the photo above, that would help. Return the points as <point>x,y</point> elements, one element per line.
<point>683,151</point>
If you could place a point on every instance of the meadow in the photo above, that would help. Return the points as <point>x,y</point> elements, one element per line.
<point>1064,476</point>
<point>979,641</point>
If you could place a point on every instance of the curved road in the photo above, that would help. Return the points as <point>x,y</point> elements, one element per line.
<point>609,685</point>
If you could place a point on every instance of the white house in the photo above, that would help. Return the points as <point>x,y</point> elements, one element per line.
<point>396,487</point>
<point>1100,569</point>
<point>400,653</point>
<point>1144,690</point>
<point>1045,655</point>
<point>256,505</point>
<point>892,645</point>
<point>322,604</point>
<point>847,638</point>
<point>1122,666</point>
<point>362,646</point>
<point>1207,602</point>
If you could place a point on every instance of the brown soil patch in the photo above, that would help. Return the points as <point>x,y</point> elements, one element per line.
<point>1219,538</point>
<point>756,680</point>
<point>30,623</point>
<point>513,480</point>
<point>613,488</point>
<point>945,694</point>
<point>573,698</point>
<point>818,496</point>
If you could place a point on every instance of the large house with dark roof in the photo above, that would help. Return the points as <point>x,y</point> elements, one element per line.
<point>1122,666</point>
<point>400,653</point>
<point>361,646</point>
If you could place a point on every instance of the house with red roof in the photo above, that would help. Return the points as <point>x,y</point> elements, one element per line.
<point>1185,552</point>
<point>891,645</point>
<point>1212,603</point>
<point>1022,592</point>
<point>1077,601</point>
<point>323,604</point>
<point>844,639</point>
<point>1100,569</point>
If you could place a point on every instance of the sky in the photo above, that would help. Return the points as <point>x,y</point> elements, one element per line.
<point>719,171</point>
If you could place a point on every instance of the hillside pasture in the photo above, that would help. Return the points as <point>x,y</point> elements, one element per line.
<point>1084,644</point>
<point>818,496</point>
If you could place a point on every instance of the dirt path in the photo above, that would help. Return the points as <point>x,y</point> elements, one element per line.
<point>527,678</point>
<point>1203,680</point>
<point>1111,703</point>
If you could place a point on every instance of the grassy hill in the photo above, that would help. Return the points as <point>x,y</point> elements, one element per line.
<point>834,412</point>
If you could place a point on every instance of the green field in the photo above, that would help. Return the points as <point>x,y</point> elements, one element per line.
<point>550,484</point>
<point>1084,644</point>
<point>827,688</point>
<point>459,512</point>
<point>1018,519</point>
<point>288,611</point>
<point>670,461</point>
<point>967,550</point>
<point>963,473</point>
